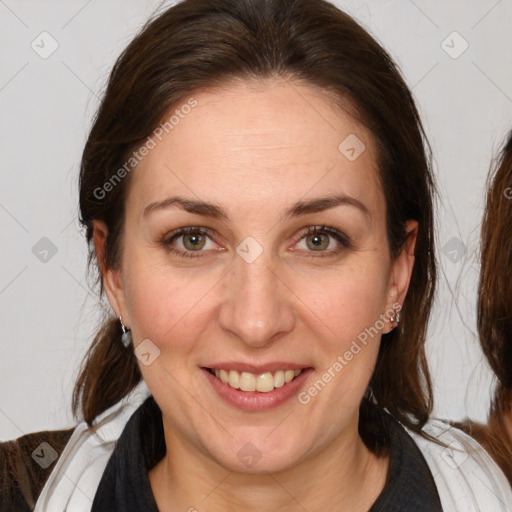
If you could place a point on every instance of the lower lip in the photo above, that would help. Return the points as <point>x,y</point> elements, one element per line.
<point>255,400</point>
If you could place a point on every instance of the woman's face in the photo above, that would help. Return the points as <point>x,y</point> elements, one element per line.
<point>253,293</point>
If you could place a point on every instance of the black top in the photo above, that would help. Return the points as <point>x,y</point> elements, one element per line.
<point>125,486</point>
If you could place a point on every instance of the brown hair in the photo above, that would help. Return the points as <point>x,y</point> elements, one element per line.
<point>495,302</point>
<point>206,43</point>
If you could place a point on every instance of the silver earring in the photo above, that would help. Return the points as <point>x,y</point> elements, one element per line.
<point>126,338</point>
<point>398,316</point>
<point>370,396</point>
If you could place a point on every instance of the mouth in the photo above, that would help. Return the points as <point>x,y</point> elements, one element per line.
<point>262,388</point>
<point>256,387</point>
<point>263,382</point>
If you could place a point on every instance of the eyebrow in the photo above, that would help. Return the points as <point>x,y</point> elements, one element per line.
<point>217,212</point>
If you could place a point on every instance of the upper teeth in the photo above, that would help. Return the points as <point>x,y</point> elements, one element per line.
<point>263,382</point>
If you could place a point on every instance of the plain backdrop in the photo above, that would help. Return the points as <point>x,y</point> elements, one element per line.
<point>454,55</point>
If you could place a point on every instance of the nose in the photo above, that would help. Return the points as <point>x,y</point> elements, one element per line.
<point>257,305</point>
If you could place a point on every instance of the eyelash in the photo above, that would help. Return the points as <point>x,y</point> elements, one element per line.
<point>338,235</point>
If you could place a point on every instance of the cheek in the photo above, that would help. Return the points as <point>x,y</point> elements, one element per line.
<point>347,300</point>
<point>168,305</point>
<point>346,307</point>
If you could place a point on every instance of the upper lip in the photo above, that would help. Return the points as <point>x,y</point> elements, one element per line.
<point>272,367</point>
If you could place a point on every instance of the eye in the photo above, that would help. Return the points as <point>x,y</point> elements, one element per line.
<point>318,239</point>
<point>193,240</point>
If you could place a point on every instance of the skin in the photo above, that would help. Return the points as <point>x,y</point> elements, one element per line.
<point>255,150</point>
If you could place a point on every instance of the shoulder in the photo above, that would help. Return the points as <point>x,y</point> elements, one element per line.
<point>466,476</point>
<point>75,477</point>
<point>25,465</point>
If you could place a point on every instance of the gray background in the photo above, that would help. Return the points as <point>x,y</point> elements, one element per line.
<point>48,312</point>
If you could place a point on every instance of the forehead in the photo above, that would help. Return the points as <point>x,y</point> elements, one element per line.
<point>246,144</point>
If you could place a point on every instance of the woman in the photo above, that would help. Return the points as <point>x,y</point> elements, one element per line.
<point>257,195</point>
<point>495,311</point>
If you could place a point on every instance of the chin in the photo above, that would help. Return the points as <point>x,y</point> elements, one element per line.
<point>259,456</point>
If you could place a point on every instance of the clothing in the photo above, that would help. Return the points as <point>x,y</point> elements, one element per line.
<point>467,479</point>
<point>494,437</point>
<point>21,479</point>
<point>125,485</point>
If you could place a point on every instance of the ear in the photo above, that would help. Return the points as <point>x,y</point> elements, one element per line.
<point>111,278</point>
<point>401,272</point>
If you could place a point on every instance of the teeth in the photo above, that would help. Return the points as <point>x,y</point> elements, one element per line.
<point>264,382</point>
<point>279,379</point>
<point>234,379</point>
<point>247,382</point>
<point>288,375</point>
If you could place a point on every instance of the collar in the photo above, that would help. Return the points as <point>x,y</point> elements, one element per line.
<point>125,486</point>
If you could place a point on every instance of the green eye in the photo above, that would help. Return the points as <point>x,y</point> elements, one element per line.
<point>318,239</point>
<point>315,241</point>
<point>195,241</point>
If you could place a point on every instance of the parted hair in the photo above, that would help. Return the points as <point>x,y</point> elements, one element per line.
<point>201,44</point>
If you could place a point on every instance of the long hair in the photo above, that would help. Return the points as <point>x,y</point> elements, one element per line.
<point>495,285</point>
<point>200,44</point>
<point>494,318</point>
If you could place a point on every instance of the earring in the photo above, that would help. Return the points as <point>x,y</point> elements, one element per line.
<point>370,396</point>
<point>395,318</point>
<point>126,338</point>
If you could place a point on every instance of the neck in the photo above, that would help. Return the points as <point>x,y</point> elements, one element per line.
<point>344,476</point>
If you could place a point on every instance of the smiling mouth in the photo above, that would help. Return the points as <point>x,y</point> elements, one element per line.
<point>262,382</point>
